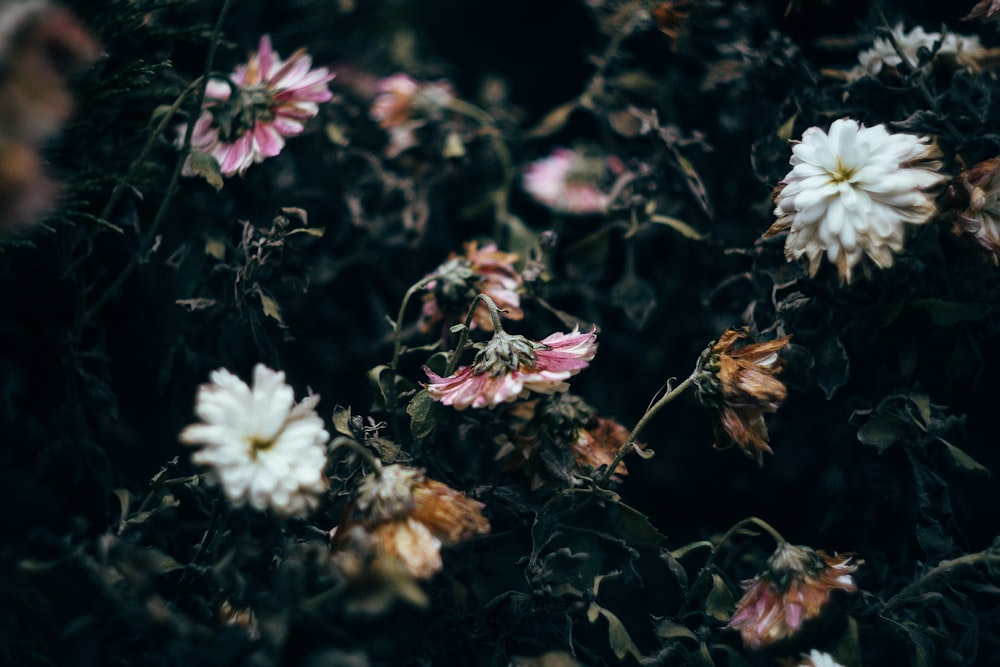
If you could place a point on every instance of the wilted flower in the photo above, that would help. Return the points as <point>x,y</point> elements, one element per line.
<point>793,587</point>
<point>403,104</point>
<point>483,270</point>
<point>572,181</point>
<point>410,517</point>
<point>263,448</point>
<point>509,367</point>
<point>557,436</point>
<point>670,16</point>
<point>737,382</point>
<point>819,659</point>
<point>41,46</point>
<point>850,193</point>
<point>883,56</point>
<point>247,117</point>
<point>985,10</point>
<point>974,196</point>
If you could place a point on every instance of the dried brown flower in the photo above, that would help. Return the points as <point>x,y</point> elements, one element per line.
<point>973,199</point>
<point>737,381</point>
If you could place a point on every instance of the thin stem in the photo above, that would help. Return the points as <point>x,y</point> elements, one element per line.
<point>650,413</point>
<point>373,462</point>
<point>150,235</point>
<point>414,288</point>
<point>464,337</point>
<point>707,568</point>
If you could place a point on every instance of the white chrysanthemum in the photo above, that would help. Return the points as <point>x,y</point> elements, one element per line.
<point>883,54</point>
<point>819,659</point>
<point>850,193</point>
<point>264,448</point>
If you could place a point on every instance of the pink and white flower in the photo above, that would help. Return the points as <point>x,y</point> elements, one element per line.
<point>571,181</point>
<point>247,118</point>
<point>404,104</point>
<point>510,367</point>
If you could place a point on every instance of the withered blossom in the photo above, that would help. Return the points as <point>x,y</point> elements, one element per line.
<point>883,59</point>
<point>574,182</point>
<point>558,435</point>
<point>985,10</point>
<point>485,270</point>
<point>973,199</point>
<point>794,586</point>
<point>509,367</point>
<point>736,379</point>
<point>404,104</point>
<point>41,46</point>
<point>410,517</point>
<point>670,17</point>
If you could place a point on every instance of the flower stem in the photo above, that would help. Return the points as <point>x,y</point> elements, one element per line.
<point>373,462</point>
<point>629,445</point>
<point>464,338</point>
<point>414,288</point>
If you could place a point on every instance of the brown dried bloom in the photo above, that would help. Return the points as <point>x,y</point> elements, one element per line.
<point>410,517</point>
<point>985,10</point>
<point>974,200</point>
<point>670,17</point>
<point>793,587</point>
<point>558,437</point>
<point>737,381</point>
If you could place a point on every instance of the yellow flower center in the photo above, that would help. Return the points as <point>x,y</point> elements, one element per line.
<point>259,444</point>
<point>843,173</point>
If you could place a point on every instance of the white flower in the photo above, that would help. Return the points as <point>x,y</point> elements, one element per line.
<point>263,447</point>
<point>883,54</point>
<point>851,191</point>
<point>819,659</point>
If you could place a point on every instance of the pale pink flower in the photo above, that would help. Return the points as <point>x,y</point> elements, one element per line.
<point>510,367</point>
<point>485,270</point>
<point>794,587</point>
<point>246,119</point>
<point>404,104</point>
<point>571,181</point>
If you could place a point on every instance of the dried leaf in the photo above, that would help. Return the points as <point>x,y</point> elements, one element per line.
<point>205,165</point>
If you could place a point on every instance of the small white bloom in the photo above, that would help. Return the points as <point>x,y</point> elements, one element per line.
<point>851,191</point>
<point>819,659</point>
<point>883,54</point>
<point>264,448</point>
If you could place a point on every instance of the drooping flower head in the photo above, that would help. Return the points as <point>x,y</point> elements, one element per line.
<point>794,586</point>
<point>484,270</point>
<point>974,199</point>
<point>985,10</point>
<point>572,181</point>
<point>509,367</point>
<point>404,104</point>
<point>557,437</point>
<point>263,448</point>
<point>737,381</point>
<point>247,117</point>
<point>851,192</point>
<point>410,517</point>
<point>883,57</point>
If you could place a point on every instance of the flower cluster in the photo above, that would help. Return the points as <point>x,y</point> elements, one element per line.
<point>510,367</point>
<point>851,192</point>
<point>264,449</point>
<point>794,586</point>
<point>974,196</point>
<point>560,436</point>
<point>247,117</point>
<point>883,56</point>
<point>410,517</point>
<point>485,270</point>
<point>736,380</point>
<point>572,181</point>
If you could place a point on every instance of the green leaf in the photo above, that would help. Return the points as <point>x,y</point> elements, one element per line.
<point>381,378</point>
<point>618,637</point>
<point>206,166</point>
<point>342,421</point>
<point>946,313</point>
<point>881,432</point>
<point>962,460</point>
<point>270,307</point>
<point>668,629</point>
<point>719,602</point>
<point>425,413</point>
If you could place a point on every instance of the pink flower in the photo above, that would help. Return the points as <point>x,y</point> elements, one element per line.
<point>571,181</point>
<point>404,104</point>
<point>484,270</point>
<point>794,587</point>
<point>247,118</point>
<point>509,367</point>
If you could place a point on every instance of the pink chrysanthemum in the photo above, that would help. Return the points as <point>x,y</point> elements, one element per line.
<point>571,182</point>
<point>510,367</point>
<point>246,119</point>
<point>794,587</point>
